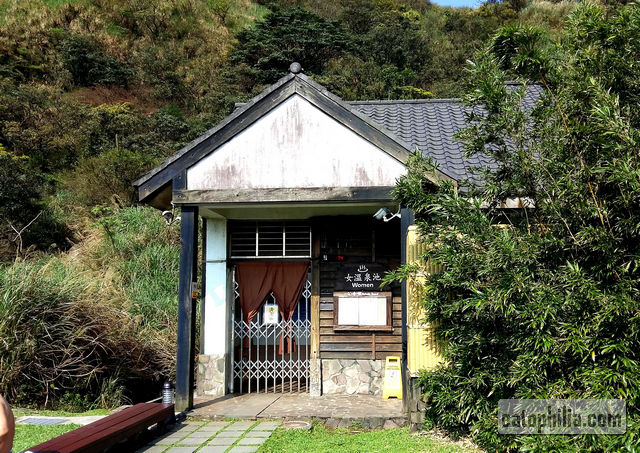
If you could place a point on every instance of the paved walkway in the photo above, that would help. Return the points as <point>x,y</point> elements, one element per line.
<point>335,410</point>
<point>48,420</point>
<point>213,437</point>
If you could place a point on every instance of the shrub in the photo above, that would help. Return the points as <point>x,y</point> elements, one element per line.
<point>542,302</point>
<point>89,65</point>
<point>97,180</point>
<point>23,211</point>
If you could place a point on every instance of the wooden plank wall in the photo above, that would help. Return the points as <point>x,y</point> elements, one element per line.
<point>360,239</point>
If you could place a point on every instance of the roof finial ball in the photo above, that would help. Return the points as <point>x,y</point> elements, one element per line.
<point>295,68</point>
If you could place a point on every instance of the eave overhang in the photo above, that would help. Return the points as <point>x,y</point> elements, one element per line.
<point>156,188</point>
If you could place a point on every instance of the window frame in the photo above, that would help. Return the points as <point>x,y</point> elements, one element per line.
<point>388,327</point>
<point>256,227</point>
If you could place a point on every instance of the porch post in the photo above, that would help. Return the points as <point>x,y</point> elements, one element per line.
<point>186,308</point>
<point>214,360</point>
<point>406,220</point>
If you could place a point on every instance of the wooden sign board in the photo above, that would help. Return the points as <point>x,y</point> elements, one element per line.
<point>360,277</point>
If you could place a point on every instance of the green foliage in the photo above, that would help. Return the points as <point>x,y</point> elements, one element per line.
<point>355,79</point>
<point>89,65</point>
<point>543,302</point>
<point>321,440</point>
<point>110,174</point>
<point>288,35</point>
<point>147,254</point>
<point>30,435</point>
<point>26,220</point>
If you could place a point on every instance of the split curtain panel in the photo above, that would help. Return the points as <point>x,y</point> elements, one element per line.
<point>257,279</point>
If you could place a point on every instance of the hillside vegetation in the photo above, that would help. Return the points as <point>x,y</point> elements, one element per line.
<point>95,92</point>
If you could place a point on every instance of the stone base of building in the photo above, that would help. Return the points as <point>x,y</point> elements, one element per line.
<point>352,377</point>
<point>211,375</point>
<point>315,378</point>
<point>414,405</point>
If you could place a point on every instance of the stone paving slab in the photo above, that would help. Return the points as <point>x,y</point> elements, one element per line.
<point>222,441</point>
<point>235,434</point>
<point>203,434</point>
<point>191,441</point>
<point>213,449</point>
<point>252,441</point>
<point>260,434</point>
<point>244,449</point>
<point>367,410</point>
<point>214,426</point>
<point>82,420</point>
<point>182,449</point>
<point>266,426</point>
<point>240,426</point>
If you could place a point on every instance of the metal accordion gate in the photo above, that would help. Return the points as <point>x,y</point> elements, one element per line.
<point>257,365</point>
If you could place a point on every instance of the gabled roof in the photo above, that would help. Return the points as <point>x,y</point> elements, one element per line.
<point>155,186</point>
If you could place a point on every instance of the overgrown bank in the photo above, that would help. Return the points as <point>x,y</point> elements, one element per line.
<point>95,327</point>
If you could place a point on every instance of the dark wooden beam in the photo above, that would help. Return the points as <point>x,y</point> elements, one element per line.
<point>186,308</point>
<point>282,195</point>
<point>406,220</point>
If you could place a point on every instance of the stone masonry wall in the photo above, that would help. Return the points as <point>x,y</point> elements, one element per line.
<point>351,377</point>
<point>211,375</point>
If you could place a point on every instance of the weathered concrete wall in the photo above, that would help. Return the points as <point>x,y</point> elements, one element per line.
<point>351,377</point>
<point>211,375</point>
<point>295,145</point>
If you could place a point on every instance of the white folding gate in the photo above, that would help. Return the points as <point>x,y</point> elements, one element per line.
<point>257,365</point>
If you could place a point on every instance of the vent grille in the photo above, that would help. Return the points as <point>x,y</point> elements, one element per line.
<point>269,240</point>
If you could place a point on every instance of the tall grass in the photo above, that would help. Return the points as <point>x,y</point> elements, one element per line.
<point>95,327</point>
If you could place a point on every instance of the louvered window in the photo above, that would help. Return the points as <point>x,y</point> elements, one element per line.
<point>269,240</point>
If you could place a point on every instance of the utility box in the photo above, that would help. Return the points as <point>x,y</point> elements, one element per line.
<point>392,387</point>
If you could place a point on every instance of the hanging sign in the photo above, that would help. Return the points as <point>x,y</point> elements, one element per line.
<point>270,315</point>
<point>360,277</point>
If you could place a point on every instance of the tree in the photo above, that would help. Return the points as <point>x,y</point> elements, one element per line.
<point>288,35</point>
<point>542,302</point>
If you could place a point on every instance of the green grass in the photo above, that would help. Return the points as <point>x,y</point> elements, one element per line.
<point>320,440</point>
<point>30,435</point>
<point>21,412</point>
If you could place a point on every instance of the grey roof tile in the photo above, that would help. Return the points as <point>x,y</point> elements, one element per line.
<point>430,125</point>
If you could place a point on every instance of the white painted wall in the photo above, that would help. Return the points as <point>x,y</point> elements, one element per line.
<point>295,145</point>
<point>216,309</point>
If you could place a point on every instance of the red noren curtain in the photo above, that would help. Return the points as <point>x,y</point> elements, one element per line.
<point>287,286</point>
<point>257,279</point>
<point>254,285</point>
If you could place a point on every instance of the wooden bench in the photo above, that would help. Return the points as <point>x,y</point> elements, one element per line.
<point>108,431</point>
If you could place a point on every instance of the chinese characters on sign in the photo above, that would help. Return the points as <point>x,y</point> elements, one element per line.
<point>359,277</point>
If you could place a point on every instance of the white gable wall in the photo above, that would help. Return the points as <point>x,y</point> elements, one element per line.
<point>295,145</point>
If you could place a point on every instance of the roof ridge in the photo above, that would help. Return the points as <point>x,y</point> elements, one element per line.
<point>406,101</point>
<point>390,101</point>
